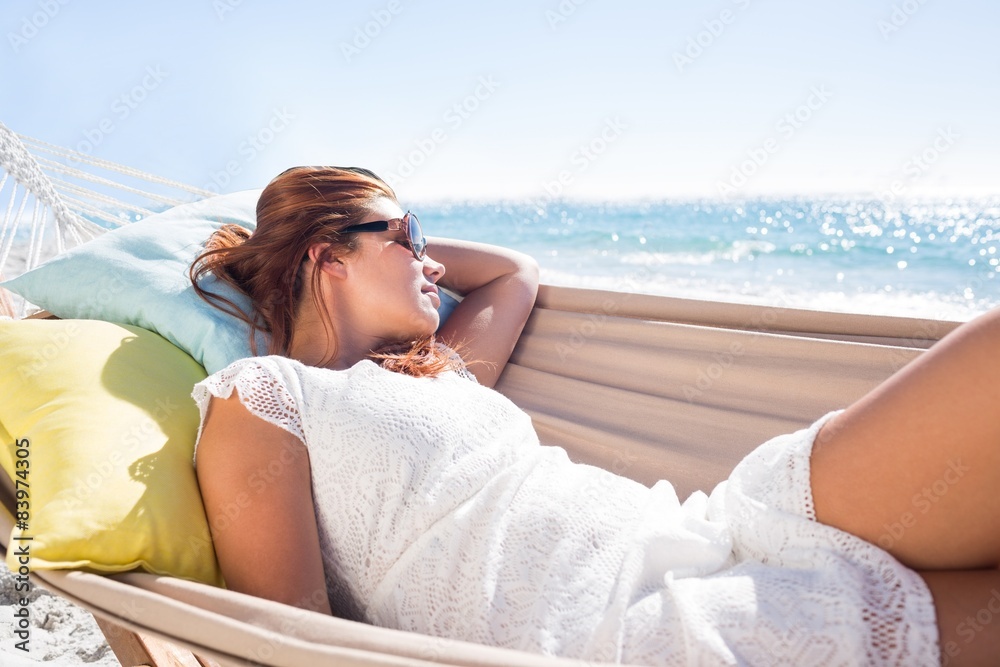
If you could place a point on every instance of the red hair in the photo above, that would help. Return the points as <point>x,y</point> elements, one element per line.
<point>301,207</point>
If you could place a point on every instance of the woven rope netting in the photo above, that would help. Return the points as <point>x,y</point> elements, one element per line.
<point>53,198</point>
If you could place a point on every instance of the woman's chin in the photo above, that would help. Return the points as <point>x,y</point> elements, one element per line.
<point>434,321</point>
<point>424,323</point>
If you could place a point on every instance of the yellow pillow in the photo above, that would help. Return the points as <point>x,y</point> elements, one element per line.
<point>6,486</point>
<point>110,428</point>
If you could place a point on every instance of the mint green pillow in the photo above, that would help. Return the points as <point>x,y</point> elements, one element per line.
<point>138,274</point>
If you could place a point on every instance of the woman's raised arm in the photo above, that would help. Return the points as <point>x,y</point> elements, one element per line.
<point>499,286</point>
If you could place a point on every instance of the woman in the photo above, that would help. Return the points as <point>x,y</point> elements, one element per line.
<point>362,471</point>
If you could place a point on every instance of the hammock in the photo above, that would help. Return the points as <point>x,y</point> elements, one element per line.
<point>662,388</point>
<point>50,191</point>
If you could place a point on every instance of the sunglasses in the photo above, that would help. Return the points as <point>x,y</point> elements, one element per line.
<point>409,223</point>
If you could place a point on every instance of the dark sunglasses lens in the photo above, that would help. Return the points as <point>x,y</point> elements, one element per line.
<point>416,235</point>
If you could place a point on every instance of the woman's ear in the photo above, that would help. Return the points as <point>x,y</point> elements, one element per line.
<point>331,265</point>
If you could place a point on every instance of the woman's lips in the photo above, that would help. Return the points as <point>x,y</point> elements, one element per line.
<point>432,291</point>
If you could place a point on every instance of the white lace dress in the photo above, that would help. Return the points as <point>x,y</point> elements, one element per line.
<point>440,513</point>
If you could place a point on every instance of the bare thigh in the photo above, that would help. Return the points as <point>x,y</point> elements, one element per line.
<point>967,605</point>
<point>914,466</point>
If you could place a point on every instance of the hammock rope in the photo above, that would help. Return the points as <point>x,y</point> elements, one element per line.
<point>93,178</point>
<point>68,192</point>
<point>66,188</point>
<point>76,156</point>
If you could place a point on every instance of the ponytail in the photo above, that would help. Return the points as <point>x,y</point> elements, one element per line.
<point>225,257</point>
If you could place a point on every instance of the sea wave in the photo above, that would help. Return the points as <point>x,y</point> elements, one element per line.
<point>737,251</point>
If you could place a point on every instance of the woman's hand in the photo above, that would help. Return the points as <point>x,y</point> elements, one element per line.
<point>499,286</point>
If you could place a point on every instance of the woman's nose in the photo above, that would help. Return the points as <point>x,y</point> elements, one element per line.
<point>433,269</point>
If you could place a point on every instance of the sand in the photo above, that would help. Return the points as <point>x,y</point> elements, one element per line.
<point>62,634</point>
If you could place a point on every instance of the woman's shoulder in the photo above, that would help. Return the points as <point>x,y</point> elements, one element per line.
<point>285,371</point>
<point>267,387</point>
<point>272,375</point>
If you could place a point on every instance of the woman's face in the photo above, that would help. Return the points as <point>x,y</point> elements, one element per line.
<point>395,293</point>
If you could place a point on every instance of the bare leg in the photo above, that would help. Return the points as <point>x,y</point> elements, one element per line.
<point>914,466</point>
<point>968,615</point>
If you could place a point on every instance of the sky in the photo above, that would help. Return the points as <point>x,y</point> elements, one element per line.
<point>582,99</point>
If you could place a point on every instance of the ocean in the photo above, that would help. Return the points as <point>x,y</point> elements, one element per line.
<point>936,259</point>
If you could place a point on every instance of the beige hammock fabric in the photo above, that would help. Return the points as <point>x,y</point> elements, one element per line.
<point>649,387</point>
<point>663,388</point>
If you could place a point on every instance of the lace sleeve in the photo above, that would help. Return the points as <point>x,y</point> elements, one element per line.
<point>262,385</point>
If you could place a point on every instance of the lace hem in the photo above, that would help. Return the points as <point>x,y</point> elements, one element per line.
<point>768,494</point>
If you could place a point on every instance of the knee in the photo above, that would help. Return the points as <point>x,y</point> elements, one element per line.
<point>988,324</point>
<point>992,315</point>
<point>982,330</point>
